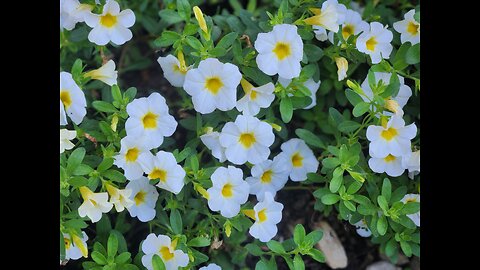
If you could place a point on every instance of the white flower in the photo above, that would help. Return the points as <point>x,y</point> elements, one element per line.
<point>212,142</point>
<point>213,85</point>
<point>267,176</point>
<point>391,165</point>
<point>321,33</point>
<point>105,73</point>
<point>404,92</point>
<point>329,17</point>
<point>72,99</point>
<point>164,167</point>
<point>392,139</point>
<point>280,51</point>
<point>164,247</point>
<point>342,65</point>
<point>298,158</point>
<point>255,97</point>
<point>75,247</point>
<point>172,70</point>
<point>362,228</point>
<point>310,84</point>
<point>112,25</point>
<point>247,139</point>
<point>65,137</point>
<point>413,198</point>
<point>268,213</point>
<point>352,25</point>
<point>228,192</point>
<point>94,204</point>
<point>408,28</point>
<point>211,266</point>
<point>411,162</point>
<point>119,197</point>
<point>130,149</point>
<point>376,42</point>
<point>72,12</point>
<point>149,119</point>
<point>144,197</point>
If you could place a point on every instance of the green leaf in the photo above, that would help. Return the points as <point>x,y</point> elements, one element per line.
<point>254,249</point>
<point>361,108</point>
<point>286,109</point>
<point>410,208</point>
<point>199,242</point>
<point>314,237</point>
<point>337,179</point>
<point>348,126</point>
<point>416,16</point>
<point>313,52</point>
<point>382,225</point>
<point>387,189</point>
<point>194,43</point>
<point>310,138</point>
<point>399,62</point>
<point>157,263</point>
<point>299,234</point>
<point>123,258</point>
<point>77,68</point>
<point>75,159</point>
<point>78,181</point>
<point>362,200</point>
<point>116,93</point>
<point>350,206</point>
<point>391,247</point>
<point>276,247</point>
<point>75,224</point>
<point>99,258</point>
<point>114,175</point>
<point>406,248</point>
<point>393,86</point>
<point>354,187</point>
<point>130,93</point>
<point>170,16</point>
<point>353,97</point>
<point>227,40</point>
<point>336,115</point>
<point>82,169</point>
<point>330,199</point>
<point>103,106</point>
<point>383,203</point>
<point>261,265</point>
<point>176,221</point>
<point>112,245</point>
<point>412,56</point>
<point>184,9</point>
<point>317,255</point>
<point>105,164</point>
<point>190,29</point>
<point>298,263</point>
<point>330,163</point>
<point>407,222</point>
<point>166,39</point>
<point>62,247</point>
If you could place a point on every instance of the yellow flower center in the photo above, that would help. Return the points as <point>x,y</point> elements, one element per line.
<point>297,160</point>
<point>150,120</point>
<point>166,254</point>
<point>93,202</point>
<point>65,98</point>
<point>389,134</point>
<point>411,200</point>
<point>247,139</point>
<point>347,30</point>
<point>157,173</point>
<point>227,190</point>
<point>266,177</point>
<point>371,43</point>
<point>132,154</point>
<point>412,28</point>
<point>67,242</point>
<point>389,158</point>
<point>176,68</point>
<point>213,84</point>
<point>140,197</point>
<point>282,50</point>
<point>253,95</point>
<point>262,216</point>
<point>108,20</point>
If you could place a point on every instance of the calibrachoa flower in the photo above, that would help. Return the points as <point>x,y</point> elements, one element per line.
<point>404,92</point>
<point>211,266</point>
<point>213,85</point>
<point>268,213</point>
<point>376,42</point>
<point>247,139</point>
<point>280,51</point>
<point>172,70</point>
<point>228,192</point>
<point>411,162</point>
<point>352,25</point>
<point>105,73</point>
<point>391,139</point>
<point>144,197</point>
<point>94,204</point>
<point>391,165</point>
<point>298,158</point>
<point>72,12</point>
<point>329,17</point>
<point>164,247</point>
<point>408,28</point>
<point>342,65</point>
<point>413,198</point>
<point>112,25</point>
<point>211,140</point>
<point>75,247</point>
<point>362,228</point>
<point>65,139</point>
<point>310,84</point>
<point>149,119</point>
<point>164,167</point>
<point>130,149</point>
<point>267,176</point>
<point>255,97</point>
<point>72,99</point>
<point>119,197</point>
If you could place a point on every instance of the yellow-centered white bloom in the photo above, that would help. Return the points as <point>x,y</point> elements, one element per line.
<point>94,204</point>
<point>298,158</point>
<point>144,197</point>
<point>149,119</point>
<point>212,141</point>
<point>310,84</point>
<point>72,12</point>
<point>75,247</point>
<point>105,73</point>
<point>112,25</point>
<point>352,25</point>
<point>247,139</point>
<point>164,167</point>
<point>213,85</point>
<point>391,165</point>
<point>72,100</point>
<point>280,51</point>
<point>408,28</point>
<point>413,198</point>
<point>268,213</point>
<point>130,149</point>
<point>65,139</point>
<point>362,228</point>
<point>411,162</point>
<point>172,70</point>
<point>329,17</point>
<point>255,97</point>
<point>391,140</point>
<point>376,42</point>
<point>119,197</point>
<point>211,266</point>
<point>229,191</point>
<point>267,176</point>
<point>342,65</point>
<point>164,247</point>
